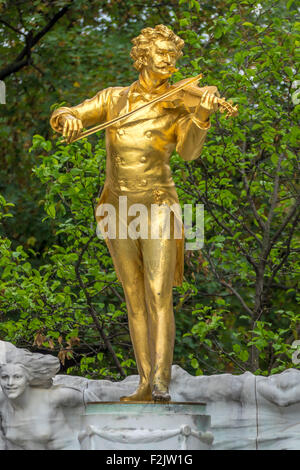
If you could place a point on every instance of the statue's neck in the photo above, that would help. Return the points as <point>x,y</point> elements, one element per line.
<point>151,81</point>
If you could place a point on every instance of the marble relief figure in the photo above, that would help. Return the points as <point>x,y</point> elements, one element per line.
<point>35,414</point>
<point>40,409</point>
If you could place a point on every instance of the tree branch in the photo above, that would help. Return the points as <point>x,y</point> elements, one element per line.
<point>252,204</point>
<point>12,27</point>
<point>228,286</point>
<point>208,204</point>
<point>286,255</point>
<point>23,58</point>
<point>286,220</point>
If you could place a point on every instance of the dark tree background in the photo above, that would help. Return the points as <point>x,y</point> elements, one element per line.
<point>238,308</point>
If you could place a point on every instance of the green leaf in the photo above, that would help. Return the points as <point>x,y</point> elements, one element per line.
<point>51,211</point>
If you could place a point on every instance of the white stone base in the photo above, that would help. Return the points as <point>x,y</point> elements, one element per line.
<point>145,426</point>
<point>248,412</point>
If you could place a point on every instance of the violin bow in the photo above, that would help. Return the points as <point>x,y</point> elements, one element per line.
<point>224,106</point>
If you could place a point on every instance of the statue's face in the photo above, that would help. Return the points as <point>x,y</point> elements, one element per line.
<point>13,380</point>
<point>162,58</point>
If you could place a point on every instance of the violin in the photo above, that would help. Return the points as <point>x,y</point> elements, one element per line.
<point>190,94</point>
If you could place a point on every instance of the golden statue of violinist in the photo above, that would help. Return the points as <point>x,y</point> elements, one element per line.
<point>145,123</point>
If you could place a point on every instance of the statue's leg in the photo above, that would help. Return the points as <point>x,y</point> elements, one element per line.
<point>128,261</point>
<point>159,265</point>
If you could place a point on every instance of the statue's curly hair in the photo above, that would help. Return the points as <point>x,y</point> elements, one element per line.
<point>142,43</point>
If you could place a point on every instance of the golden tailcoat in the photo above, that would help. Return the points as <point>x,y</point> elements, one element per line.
<point>139,147</point>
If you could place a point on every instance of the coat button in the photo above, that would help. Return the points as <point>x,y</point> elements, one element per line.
<point>121,132</point>
<point>144,182</point>
<point>143,159</point>
<point>148,134</point>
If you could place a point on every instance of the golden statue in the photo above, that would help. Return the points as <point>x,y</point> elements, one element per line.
<point>145,123</point>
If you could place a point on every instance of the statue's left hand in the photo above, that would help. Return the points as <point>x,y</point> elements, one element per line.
<point>207,105</point>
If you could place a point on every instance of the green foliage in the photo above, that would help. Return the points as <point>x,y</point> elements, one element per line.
<point>248,181</point>
<point>50,306</point>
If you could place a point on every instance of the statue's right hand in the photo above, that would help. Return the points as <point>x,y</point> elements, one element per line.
<point>72,128</point>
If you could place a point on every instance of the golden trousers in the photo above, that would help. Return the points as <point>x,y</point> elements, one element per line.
<point>146,269</point>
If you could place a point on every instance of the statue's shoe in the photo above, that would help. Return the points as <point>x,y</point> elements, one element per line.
<point>143,393</point>
<point>160,394</point>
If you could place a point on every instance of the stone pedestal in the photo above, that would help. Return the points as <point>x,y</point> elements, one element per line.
<point>145,426</point>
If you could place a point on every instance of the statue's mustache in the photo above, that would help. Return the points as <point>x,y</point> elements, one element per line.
<point>171,68</point>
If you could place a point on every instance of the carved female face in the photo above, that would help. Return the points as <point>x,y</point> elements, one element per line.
<point>13,380</point>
